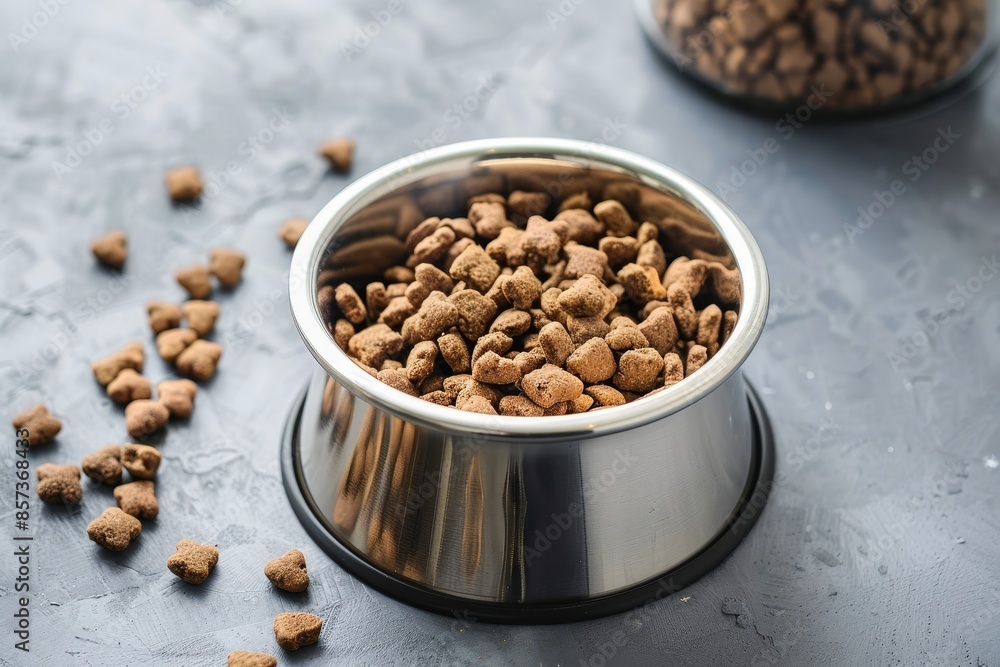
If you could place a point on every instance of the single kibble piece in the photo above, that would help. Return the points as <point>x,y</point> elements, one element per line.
<point>475,313</point>
<point>339,153</point>
<point>588,297</point>
<point>476,268</point>
<point>114,529</point>
<point>697,356</point>
<point>372,346</point>
<point>111,249</point>
<point>638,370</point>
<point>138,499</point>
<point>491,368</point>
<point>520,406</point>
<point>184,183</point>
<point>108,368</point>
<point>227,266</point>
<point>177,396</point>
<point>291,230</point>
<point>142,461</point>
<point>295,630</point>
<point>420,362</point>
<point>350,303</point>
<point>455,352</point>
<point>144,416</point>
<point>550,385</point>
<point>59,484</point>
<point>196,280</point>
<point>642,283</point>
<point>41,426</point>
<point>592,362</point>
<point>193,562</point>
<point>104,465</point>
<point>288,571</point>
<point>172,342</point>
<point>522,288</point>
<point>615,218</point>
<point>397,379</point>
<point>478,404</point>
<point>200,359</point>
<point>512,322</point>
<point>625,338</point>
<point>201,316</point>
<point>660,329</point>
<point>129,386</point>
<point>248,659</point>
<point>436,315</point>
<point>673,369</point>
<point>605,396</point>
<point>163,315</point>
<point>556,343</point>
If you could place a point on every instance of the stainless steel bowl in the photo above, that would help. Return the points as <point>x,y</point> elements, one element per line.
<point>523,519</point>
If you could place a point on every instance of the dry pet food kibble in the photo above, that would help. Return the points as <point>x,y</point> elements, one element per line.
<point>111,249</point>
<point>247,659</point>
<point>129,386</point>
<point>172,342</point>
<point>108,368</point>
<point>59,484</point>
<point>114,529</point>
<point>104,465</point>
<point>163,315</point>
<point>177,396</point>
<point>291,230</point>
<point>141,461</point>
<point>227,265</point>
<point>200,316</point>
<point>145,416</point>
<point>339,153</point>
<point>199,359</point>
<point>40,425</point>
<point>184,183</point>
<point>138,499</point>
<point>506,312</point>
<point>196,280</point>
<point>293,631</point>
<point>193,562</point>
<point>288,571</point>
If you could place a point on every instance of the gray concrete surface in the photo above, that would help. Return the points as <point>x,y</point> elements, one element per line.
<point>879,546</point>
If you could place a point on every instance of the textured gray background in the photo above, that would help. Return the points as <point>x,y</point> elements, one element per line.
<point>880,544</point>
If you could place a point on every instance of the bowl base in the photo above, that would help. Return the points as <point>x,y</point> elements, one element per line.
<point>755,495</point>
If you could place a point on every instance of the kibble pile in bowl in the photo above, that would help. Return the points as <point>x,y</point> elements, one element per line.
<point>509,312</point>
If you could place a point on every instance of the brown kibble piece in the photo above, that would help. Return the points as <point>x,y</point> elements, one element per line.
<point>455,352</point>
<point>144,416</point>
<point>581,403</point>
<point>476,268</point>
<point>395,313</point>
<point>343,330</point>
<point>201,316</point>
<point>288,571</point>
<point>104,465</point>
<point>697,356</point>
<point>142,461</point>
<point>129,386</point>
<point>660,329</point>
<point>690,274</point>
<point>350,304</point>
<point>638,370</point>
<point>477,404</point>
<point>615,218</point>
<point>108,368</point>
<point>177,396</point>
<point>196,280</point>
<point>475,313</point>
<point>584,228</point>
<point>339,153</point>
<point>420,362</point>
<point>295,630</point>
<point>542,240</point>
<point>529,361</point>
<point>524,205</point>
<point>709,323</point>
<point>683,309</point>
<point>489,219</point>
<point>200,359</point>
<point>42,427</point>
<point>520,406</point>
<point>619,251</point>
<point>651,255</point>
<point>725,283</point>
<point>138,499</point>
<point>728,324</point>
<point>59,484</point>
<point>512,322</point>
<point>491,368</point>
<point>436,315</point>
<point>592,362</point>
<point>184,183</point>
<point>114,529</point>
<point>550,385</point>
<point>642,283</point>
<point>374,345</point>
<point>588,297</point>
<point>556,343</point>
<point>522,288</point>
<point>227,266</point>
<point>163,315</point>
<point>582,329</point>
<point>495,341</point>
<point>111,249</point>
<point>582,260</point>
<point>397,379</point>
<point>605,396</point>
<point>673,369</point>
<point>193,562</point>
<point>624,338</point>
<point>172,342</point>
<point>248,659</point>
<point>291,230</point>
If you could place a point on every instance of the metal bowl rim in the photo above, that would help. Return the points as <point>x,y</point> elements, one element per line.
<point>384,181</point>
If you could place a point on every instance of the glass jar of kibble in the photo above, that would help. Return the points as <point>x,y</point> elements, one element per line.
<point>846,55</point>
